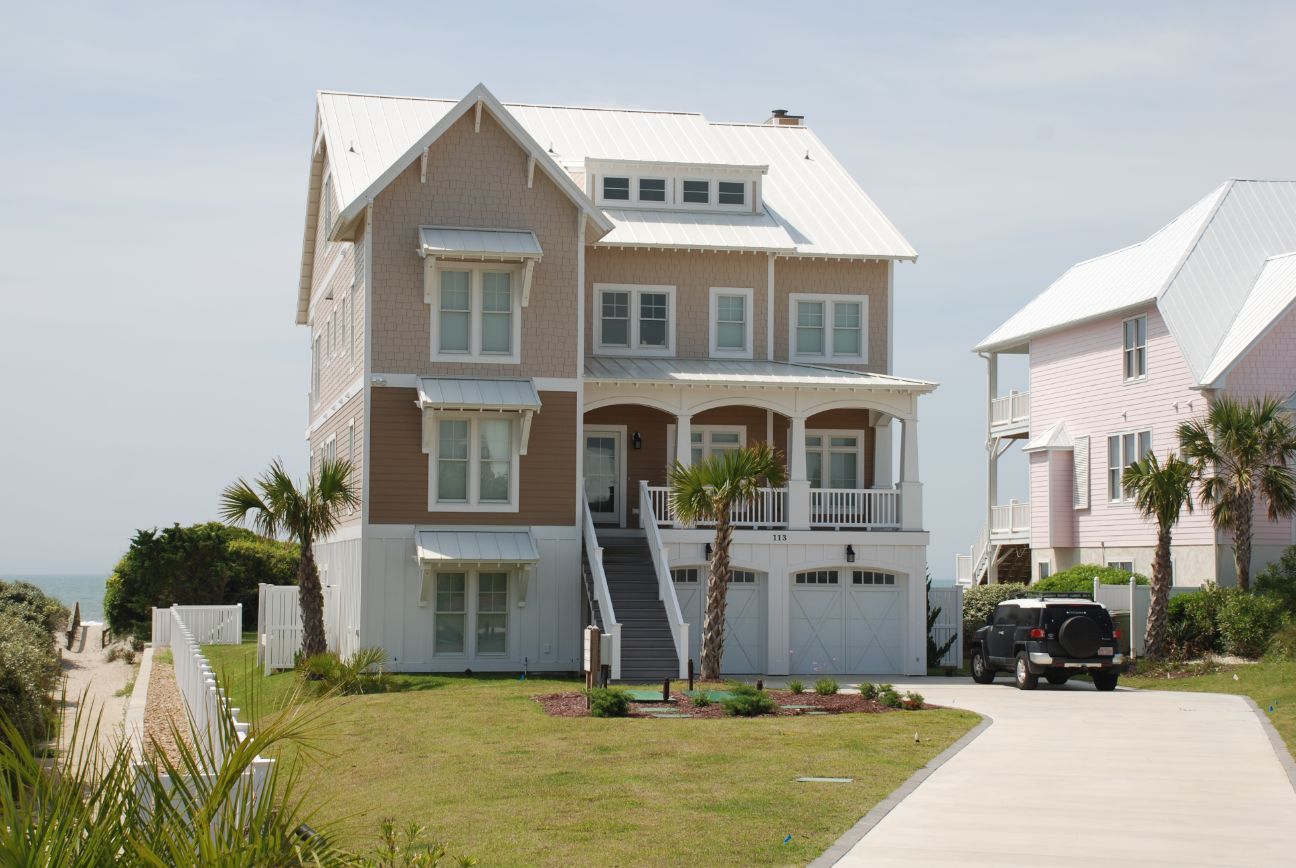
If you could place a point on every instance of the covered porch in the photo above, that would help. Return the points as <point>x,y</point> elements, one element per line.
<point>834,428</point>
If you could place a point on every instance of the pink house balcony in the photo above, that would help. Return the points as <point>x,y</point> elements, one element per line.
<point>1010,415</point>
<point>1010,523</point>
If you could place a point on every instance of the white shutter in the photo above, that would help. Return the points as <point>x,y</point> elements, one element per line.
<point>1080,455</point>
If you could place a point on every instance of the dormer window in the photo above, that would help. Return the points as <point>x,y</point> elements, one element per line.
<point>697,192</point>
<point>616,188</point>
<point>652,189</point>
<point>732,193</point>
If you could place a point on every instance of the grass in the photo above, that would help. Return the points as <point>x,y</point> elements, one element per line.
<point>1269,682</point>
<point>487,771</point>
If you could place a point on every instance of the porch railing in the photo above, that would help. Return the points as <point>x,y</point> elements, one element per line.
<point>598,578</point>
<point>1010,409</point>
<point>665,585</point>
<point>1010,517</point>
<point>867,508</point>
<point>767,509</point>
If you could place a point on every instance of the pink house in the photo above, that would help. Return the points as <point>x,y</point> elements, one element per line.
<point>1122,349</point>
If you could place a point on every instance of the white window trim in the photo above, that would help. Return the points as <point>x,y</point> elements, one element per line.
<point>1126,350</point>
<point>713,194</point>
<point>432,297</point>
<point>1119,495</point>
<point>749,296</point>
<point>635,200</point>
<point>1116,565</point>
<point>427,600</point>
<point>635,290</point>
<point>822,586</point>
<point>840,432</point>
<point>351,326</point>
<point>873,586</point>
<point>829,300</point>
<point>473,504</point>
<point>1040,567</point>
<point>706,431</point>
<point>316,362</point>
<point>329,452</point>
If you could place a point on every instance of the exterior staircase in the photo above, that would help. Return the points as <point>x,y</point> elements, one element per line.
<point>647,648</point>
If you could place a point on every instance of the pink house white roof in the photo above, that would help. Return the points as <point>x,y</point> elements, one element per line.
<point>1273,296</point>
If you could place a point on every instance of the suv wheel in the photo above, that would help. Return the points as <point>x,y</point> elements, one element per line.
<point>1026,680</point>
<point>1056,678</point>
<point>1105,680</point>
<point>981,671</point>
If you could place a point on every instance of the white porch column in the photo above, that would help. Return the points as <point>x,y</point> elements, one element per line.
<point>883,475</point>
<point>910,487</point>
<point>798,505</point>
<point>992,458</point>
<point>684,439</point>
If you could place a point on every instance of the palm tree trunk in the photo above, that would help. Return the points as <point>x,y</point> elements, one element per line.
<point>1242,533</point>
<point>1158,610</point>
<point>311,599</point>
<point>713,621</point>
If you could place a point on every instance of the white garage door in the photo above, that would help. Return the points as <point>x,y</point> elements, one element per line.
<point>846,622</point>
<point>745,630</point>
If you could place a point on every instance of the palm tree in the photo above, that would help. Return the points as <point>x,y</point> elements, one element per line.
<point>1161,492</point>
<point>277,505</point>
<point>1241,450</point>
<point>705,492</point>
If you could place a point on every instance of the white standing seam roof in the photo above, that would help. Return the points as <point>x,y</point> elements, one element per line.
<point>1271,298</point>
<point>685,229</point>
<point>446,393</point>
<point>479,243</point>
<point>710,372</point>
<point>1200,270</point>
<point>446,547</point>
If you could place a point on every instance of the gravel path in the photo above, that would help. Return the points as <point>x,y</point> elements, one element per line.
<point>165,713</point>
<point>91,683</point>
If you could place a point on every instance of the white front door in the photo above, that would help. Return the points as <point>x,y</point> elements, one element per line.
<point>603,449</point>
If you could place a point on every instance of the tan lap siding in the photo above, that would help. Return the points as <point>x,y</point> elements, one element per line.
<point>398,482</point>
<point>833,277</point>
<point>337,425</point>
<point>474,179</point>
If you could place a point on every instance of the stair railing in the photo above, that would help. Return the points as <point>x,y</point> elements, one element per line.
<point>665,585</point>
<point>598,579</point>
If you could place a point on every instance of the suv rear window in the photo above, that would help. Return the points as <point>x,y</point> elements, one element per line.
<point>1058,614</point>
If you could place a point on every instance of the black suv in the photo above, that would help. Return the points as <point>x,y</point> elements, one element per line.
<point>1056,636</point>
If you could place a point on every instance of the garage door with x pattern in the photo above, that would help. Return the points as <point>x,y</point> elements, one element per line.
<point>745,625</point>
<point>846,621</point>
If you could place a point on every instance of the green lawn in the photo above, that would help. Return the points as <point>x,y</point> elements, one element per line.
<point>486,770</point>
<point>1269,682</point>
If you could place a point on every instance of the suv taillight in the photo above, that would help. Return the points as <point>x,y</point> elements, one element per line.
<point>1037,633</point>
<point>1115,634</point>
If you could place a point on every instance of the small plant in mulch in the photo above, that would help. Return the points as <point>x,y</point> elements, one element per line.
<point>608,702</point>
<point>826,686</point>
<point>747,701</point>
<point>911,701</point>
<point>701,699</point>
<point>868,690</point>
<point>889,696</point>
<point>796,686</point>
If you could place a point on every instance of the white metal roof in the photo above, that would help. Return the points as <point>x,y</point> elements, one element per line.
<point>483,243</point>
<point>446,393</point>
<point>1271,297</point>
<point>1057,437</point>
<point>806,190</point>
<point>445,547</point>
<point>694,229</point>
<point>1200,270</point>
<point>739,373</point>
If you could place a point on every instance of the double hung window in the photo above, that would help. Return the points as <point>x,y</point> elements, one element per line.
<point>476,463</point>
<point>477,314</point>
<point>635,320</point>
<point>829,327</point>
<point>833,460</point>
<point>1135,354</point>
<point>1122,451</point>
<point>731,322</point>
<point>470,612</point>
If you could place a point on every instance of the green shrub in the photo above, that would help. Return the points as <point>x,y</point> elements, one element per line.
<point>980,601</point>
<point>609,702</point>
<point>1192,621</point>
<point>826,686</point>
<point>1283,644</point>
<point>364,672</point>
<point>796,686</point>
<point>1278,580</point>
<point>701,699</point>
<point>746,701</point>
<point>869,690</point>
<point>25,600</point>
<point>888,696</point>
<point>28,673</point>
<point>911,701</point>
<point>1247,623</point>
<point>1079,579</point>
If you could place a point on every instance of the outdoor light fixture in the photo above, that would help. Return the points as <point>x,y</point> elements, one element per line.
<point>707,550</point>
<point>850,554</point>
<point>636,441</point>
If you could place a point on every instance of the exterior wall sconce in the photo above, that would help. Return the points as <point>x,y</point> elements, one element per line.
<point>707,551</point>
<point>636,441</point>
<point>850,554</point>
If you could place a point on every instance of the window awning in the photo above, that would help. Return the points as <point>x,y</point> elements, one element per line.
<point>443,548</point>
<point>1056,439</point>
<point>481,245</point>
<point>453,395</point>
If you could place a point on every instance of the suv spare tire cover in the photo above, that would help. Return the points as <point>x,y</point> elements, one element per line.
<point>1079,636</point>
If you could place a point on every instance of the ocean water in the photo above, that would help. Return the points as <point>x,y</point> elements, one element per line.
<point>88,590</point>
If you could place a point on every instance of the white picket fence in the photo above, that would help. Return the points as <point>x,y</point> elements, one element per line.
<point>210,625</point>
<point>949,623</point>
<point>279,626</point>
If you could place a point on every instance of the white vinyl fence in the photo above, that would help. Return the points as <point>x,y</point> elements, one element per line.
<point>949,623</point>
<point>1135,601</point>
<point>210,625</point>
<point>279,626</point>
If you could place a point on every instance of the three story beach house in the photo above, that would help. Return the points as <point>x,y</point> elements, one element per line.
<point>1122,349</point>
<point>521,315</point>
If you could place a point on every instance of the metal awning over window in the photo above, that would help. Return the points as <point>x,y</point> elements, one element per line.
<point>442,548</point>
<point>481,245</point>
<point>452,395</point>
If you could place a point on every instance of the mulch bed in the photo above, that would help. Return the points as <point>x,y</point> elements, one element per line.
<point>573,705</point>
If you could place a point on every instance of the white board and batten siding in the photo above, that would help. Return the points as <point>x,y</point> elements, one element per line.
<point>209,625</point>
<point>544,628</point>
<point>339,565</point>
<point>948,624</point>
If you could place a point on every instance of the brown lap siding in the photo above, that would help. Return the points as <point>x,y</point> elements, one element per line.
<point>398,481</point>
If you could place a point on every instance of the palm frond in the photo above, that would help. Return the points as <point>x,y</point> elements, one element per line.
<point>240,504</point>
<point>1161,490</point>
<point>708,489</point>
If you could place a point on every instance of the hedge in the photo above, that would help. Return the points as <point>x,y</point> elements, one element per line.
<point>1079,579</point>
<point>28,673</point>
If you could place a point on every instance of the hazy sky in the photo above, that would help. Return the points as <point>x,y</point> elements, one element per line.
<point>153,170</point>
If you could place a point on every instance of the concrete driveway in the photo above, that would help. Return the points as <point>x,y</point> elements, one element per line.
<point>1070,776</point>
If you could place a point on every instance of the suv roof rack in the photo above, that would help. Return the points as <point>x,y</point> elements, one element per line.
<point>1065,595</point>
